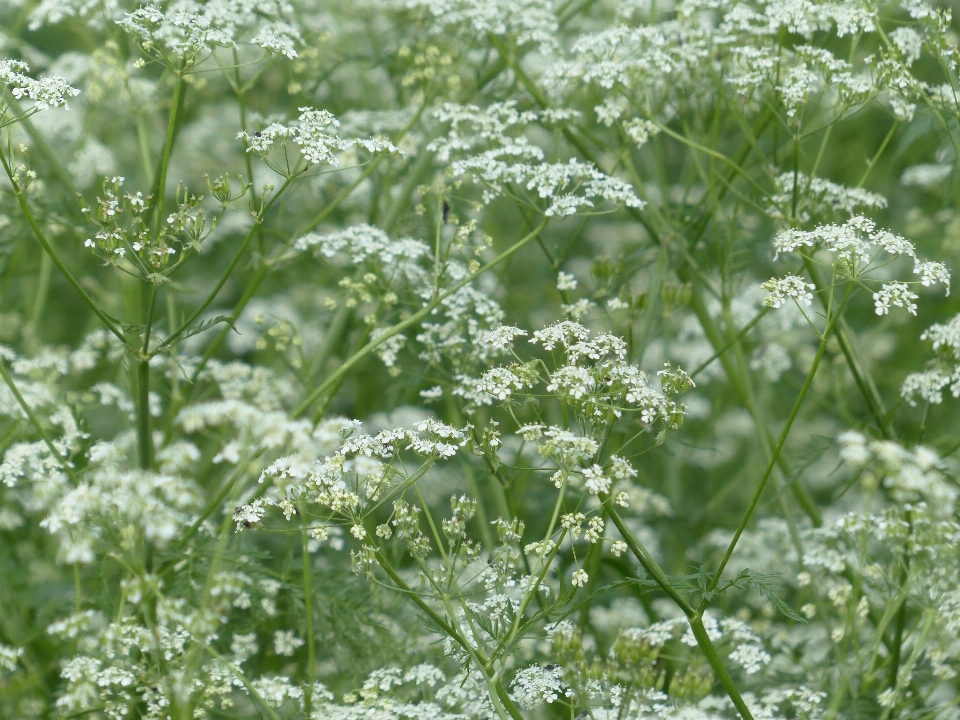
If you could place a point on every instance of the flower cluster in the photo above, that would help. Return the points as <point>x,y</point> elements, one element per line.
<point>929,385</point>
<point>485,145</point>
<point>47,92</point>
<point>314,135</point>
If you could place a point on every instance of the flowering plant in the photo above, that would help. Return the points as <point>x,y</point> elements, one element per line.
<point>473,360</point>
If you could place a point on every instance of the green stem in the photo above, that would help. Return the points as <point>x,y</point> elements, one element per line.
<point>8,379</point>
<point>144,437</point>
<point>897,643</point>
<point>918,647</point>
<point>412,594</point>
<point>211,506</point>
<point>226,274</point>
<point>848,347</point>
<point>693,617</point>
<point>308,611</point>
<point>40,298</point>
<point>736,339</point>
<point>167,151</point>
<point>706,646</point>
<point>739,379</point>
<point>507,701</point>
<point>42,239</point>
<point>77,589</point>
<point>876,156</point>
<point>271,713</point>
<point>646,561</point>
<point>776,452</point>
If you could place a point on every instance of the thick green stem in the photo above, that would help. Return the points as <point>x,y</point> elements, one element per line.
<point>646,561</point>
<point>507,701</point>
<point>918,647</point>
<point>708,649</point>
<point>144,437</point>
<point>895,651</point>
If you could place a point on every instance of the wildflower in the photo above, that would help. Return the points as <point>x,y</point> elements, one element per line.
<point>565,281</point>
<point>247,516</point>
<point>286,643</point>
<point>47,92</point>
<point>897,294</point>
<point>536,685</point>
<point>595,480</point>
<point>790,286</point>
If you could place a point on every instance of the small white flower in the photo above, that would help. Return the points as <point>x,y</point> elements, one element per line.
<point>566,281</point>
<point>595,481</point>
<point>286,643</point>
<point>897,294</point>
<point>433,393</point>
<point>789,286</point>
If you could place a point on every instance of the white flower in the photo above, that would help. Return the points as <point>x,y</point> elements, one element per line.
<point>640,131</point>
<point>750,657</point>
<point>579,578</point>
<point>931,273</point>
<point>566,281</point>
<point>908,42</point>
<point>502,337</point>
<point>182,32</point>
<point>564,333</point>
<point>47,92</point>
<point>280,38</point>
<point>9,657</point>
<point>314,133</point>
<point>894,294</point>
<point>247,516</point>
<point>578,309</point>
<point>286,643</point>
<point>789,286</point>
<point>595,481</point>
<point>501,382</point>
<point>621,469</point>
<point>536,685</point>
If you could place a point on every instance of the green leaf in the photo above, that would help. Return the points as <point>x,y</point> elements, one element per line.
<point>768,585</point>
<point>204,325</point>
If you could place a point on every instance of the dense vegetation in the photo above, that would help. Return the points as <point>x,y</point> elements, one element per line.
<point>477,359</point>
